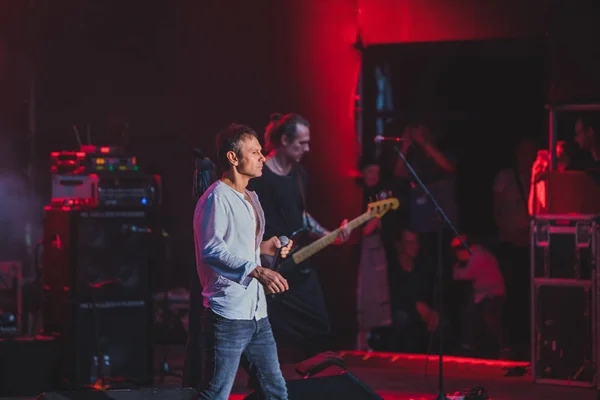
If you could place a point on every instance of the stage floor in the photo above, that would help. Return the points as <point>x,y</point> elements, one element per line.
<point>400,377</point>
<point>403,377</point>
<point>414,377</point>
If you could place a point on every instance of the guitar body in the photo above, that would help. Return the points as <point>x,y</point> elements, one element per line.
<point>301,237</point>
<point>286,265</point>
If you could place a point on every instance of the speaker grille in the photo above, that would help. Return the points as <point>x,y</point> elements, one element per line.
<point>113,256</point>
<point>100,255</point>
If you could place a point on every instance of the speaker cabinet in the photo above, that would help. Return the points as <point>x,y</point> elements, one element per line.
<point>99,254</point>
<point>342,386</point>
<point>565,349</point>
<point>564,246</point>
<point>109,339</point>
<point>97,267</point>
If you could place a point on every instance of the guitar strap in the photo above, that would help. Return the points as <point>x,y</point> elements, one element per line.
<point>302,199</point>
<point>298,179</point>
<point>296,176</point>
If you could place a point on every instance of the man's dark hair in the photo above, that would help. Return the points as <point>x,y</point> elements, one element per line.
<point>230,139</point>
<point>368,159</point>
<point>280,126</point>
<point>591,119</point>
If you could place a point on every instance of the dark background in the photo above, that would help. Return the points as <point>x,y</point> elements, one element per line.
<point>175,72</point>
<point>478,97</point>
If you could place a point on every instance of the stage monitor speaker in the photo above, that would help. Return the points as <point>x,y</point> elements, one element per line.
<point>99,254</point>
<point>104,339</point>
<point>343,386</point>
<point>140,394</point>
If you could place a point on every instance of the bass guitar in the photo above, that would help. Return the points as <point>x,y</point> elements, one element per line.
<point>375,209</point>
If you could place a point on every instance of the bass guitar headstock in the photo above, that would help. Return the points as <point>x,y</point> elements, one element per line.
<point>379,208</point>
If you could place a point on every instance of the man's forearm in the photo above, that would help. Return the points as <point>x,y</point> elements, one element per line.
<point>400,169</point>
<point>314,227</point>
<point>257,272</point>
<point>439,158</point>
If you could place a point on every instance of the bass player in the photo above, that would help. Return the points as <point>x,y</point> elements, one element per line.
<point>298,317</point>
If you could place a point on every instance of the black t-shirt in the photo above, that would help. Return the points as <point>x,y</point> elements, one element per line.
<point>423,216</point>
<point>281,200</point>
<point>298,317</point>
<point>409,287</point>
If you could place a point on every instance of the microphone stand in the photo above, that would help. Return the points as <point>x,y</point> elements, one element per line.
<point>443,218</point>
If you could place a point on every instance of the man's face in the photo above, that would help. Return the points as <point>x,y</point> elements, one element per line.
<point>583,135</point>
<point>409,244</point>
<point>295,149</point>
<point>250,158</point>
<point>561,152</point>
<point>371,175</point>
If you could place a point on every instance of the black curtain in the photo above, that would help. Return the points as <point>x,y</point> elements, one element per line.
<point>478,96</point>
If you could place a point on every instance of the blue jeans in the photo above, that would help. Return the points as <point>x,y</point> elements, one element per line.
<point>226,341</point>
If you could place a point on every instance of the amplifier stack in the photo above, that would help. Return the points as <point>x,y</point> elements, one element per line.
<point>564,260</point>
<point>565,256</point>
<point>100,243</point>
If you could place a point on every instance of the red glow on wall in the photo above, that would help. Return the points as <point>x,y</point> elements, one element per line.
<point>326,65</point>
<point>405,21</point>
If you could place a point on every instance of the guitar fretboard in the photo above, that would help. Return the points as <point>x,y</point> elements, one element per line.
<point>318,245</point>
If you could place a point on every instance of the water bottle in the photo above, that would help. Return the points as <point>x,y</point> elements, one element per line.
<point>94,370</point>
<point>106,366</point>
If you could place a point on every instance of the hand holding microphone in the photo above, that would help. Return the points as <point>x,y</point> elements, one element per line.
<point>540,165</point>
<point>285,244</point>
<point>272,280</point>
<point>281,252</point>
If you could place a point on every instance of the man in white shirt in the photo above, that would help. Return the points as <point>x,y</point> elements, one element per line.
<point>228,228</point>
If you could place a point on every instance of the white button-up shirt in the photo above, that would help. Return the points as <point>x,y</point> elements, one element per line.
<point>227,239</point>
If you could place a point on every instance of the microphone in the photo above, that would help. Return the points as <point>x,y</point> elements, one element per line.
<point>379,139</point>
<point>284,242</point>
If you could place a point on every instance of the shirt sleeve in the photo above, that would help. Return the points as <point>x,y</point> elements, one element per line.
<point>480,261</point>
<point>212,226</point>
